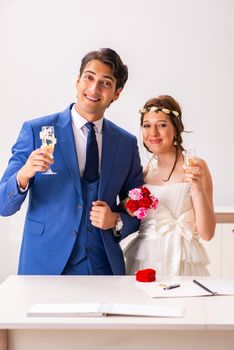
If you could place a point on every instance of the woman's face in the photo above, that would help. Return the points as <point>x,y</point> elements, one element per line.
<point>158,132</point>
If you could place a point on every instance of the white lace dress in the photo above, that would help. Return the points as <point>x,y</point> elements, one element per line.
<point>167,241</point>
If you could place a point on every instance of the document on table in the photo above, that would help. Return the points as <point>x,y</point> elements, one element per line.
<point>103,309</point>
<point>187,288</point>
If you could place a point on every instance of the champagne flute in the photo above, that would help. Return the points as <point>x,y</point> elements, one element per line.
<point>190,158</point>
<point>49,140</point>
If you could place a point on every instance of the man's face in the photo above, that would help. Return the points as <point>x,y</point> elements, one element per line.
<point>96,89</point>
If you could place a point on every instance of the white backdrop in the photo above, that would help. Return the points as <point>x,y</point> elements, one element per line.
<point>178,47</point>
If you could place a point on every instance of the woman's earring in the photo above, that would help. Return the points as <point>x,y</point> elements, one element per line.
<point>175,143</point>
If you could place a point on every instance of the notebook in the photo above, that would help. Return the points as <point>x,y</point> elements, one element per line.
<point>103,309</point>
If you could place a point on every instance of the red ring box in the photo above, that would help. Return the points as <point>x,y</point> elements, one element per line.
<point>146,275</point>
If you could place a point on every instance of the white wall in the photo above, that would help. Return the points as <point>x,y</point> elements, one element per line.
<point>179,47</point>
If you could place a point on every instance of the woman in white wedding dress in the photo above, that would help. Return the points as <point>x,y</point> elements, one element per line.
<point>169,237</point>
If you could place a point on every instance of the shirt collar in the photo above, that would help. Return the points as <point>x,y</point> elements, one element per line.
<point>79,121</point>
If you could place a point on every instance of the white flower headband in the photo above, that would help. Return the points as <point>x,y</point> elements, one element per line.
<point>155,109</point>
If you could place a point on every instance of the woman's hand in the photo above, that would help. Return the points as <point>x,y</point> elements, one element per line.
<point>202,196</point>
<point>194,174</point>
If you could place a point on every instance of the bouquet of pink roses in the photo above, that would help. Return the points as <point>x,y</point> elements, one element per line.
<point>140,201</point>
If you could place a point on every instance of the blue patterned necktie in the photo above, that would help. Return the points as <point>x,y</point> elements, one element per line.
<point>92,159</point>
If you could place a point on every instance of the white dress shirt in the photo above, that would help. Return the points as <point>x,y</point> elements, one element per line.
<point>80,132</point>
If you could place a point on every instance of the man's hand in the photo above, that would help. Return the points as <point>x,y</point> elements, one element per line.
<point>39,160</point>
<point>101,216</point>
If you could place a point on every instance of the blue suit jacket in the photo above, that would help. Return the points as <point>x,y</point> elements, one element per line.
<point>55,202</point>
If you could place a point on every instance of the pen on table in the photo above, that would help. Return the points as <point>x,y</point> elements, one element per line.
<point>172,286</point>
<point>203,287</point>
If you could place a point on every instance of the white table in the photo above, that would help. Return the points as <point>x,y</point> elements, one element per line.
<point>208,322</point>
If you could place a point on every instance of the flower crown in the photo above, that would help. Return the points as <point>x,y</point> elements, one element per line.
<point>155,109</point>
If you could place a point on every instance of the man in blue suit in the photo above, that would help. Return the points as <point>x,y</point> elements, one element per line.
<point>73,224</point>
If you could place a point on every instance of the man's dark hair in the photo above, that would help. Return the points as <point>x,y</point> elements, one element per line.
<point>112,59</point>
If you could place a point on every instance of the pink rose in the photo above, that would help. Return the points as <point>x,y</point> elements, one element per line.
<point>135,194</point>
<point>154,202</point>
<point>141,213</point>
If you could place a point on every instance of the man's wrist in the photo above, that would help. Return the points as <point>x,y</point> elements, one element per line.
<point>118,226</point>
<point>22,187</point>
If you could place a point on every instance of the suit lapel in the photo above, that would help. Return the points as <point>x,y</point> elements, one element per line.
<point>66,143</point>
<point>109,145</point>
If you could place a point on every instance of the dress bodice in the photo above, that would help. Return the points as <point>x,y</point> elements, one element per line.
<point>175,197</point>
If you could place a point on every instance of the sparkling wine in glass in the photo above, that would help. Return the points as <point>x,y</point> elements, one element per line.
<point>190,158</point>
<point>48,140</point>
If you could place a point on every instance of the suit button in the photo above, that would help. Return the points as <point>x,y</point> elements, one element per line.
<point>90,229</point>
<point>88,250</point>
<point>91,188</point>
<point>75,233</point>
<point>79,206</point>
